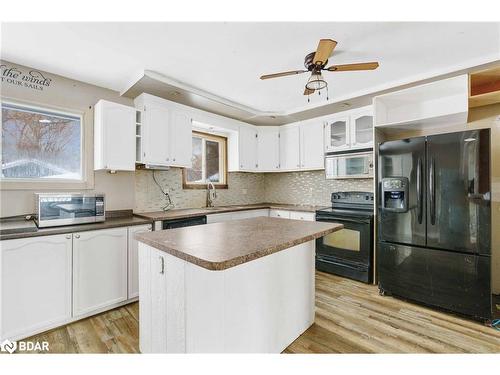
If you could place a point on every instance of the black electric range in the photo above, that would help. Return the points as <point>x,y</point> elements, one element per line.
<point>348,252</point>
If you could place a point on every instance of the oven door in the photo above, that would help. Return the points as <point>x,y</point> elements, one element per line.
<point>347,252</point>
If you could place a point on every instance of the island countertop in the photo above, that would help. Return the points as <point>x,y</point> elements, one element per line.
<point>223,245</point>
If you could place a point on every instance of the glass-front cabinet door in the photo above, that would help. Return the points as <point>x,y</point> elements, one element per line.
<point>337,134</point>
<point>362,130</point>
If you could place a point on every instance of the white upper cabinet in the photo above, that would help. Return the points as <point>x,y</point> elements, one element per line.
<point>311,141</point>
<point>439,103</point>
<point>301,146</point>
<point>349,130</point>
<point>290,147</point>
<point>247,143</point>
<point>180,134</point>
<point>114,136</point>
<point>362,128</point>
<point>268,148</point>
<point>337,134</point>
<point>165,132</point>
<point>155,122</point>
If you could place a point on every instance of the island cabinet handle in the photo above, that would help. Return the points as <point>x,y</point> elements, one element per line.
<point>162,265</point>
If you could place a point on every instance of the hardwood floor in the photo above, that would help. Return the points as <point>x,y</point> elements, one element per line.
<point>350,318</point>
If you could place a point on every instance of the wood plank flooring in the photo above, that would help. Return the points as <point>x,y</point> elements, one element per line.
<point>350,318</point>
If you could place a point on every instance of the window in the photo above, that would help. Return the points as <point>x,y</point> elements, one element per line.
<point>209,162</point>
<point>40,145</point>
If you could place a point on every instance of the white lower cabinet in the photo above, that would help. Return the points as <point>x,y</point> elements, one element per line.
<point>249,214</point>
<point>218,218</point>
<point>35,285</point>
<point>295,215</point>
<point>133,262</point>
<point>99,269</point>
<point>236,215</point>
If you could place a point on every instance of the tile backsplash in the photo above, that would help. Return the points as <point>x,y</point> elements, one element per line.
<point>244,188</point>
<point>308,188</point>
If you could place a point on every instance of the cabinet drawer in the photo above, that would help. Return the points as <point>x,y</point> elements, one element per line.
<point>280,213</point>
<point>299,215</point>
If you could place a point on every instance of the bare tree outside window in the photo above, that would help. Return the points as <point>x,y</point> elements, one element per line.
<point>40,145</point>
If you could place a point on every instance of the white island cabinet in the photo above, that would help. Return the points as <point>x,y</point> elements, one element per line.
<point>207,289</point>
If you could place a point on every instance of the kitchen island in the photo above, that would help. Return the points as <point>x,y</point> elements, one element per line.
<point>237,286</point>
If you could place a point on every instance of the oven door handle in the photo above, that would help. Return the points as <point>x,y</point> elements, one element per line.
<point>338,219</point>
<point>321,259</point>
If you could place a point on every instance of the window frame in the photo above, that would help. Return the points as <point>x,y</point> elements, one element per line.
<point>86,181</point>
<point>222,162</point>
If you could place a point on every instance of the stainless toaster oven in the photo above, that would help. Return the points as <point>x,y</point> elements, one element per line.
<point>55,209</point>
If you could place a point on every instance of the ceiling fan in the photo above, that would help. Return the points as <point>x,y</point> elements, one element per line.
<point>315,62</point>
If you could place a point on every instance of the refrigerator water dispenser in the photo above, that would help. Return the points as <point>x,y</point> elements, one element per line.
<point>395,194</point>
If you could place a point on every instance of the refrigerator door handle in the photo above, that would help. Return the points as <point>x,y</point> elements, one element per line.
<point>419,191</point>
<point>432,191</point>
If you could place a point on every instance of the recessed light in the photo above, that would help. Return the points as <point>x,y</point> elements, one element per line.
<point>345,105</point>
<point>175,93</point>
<point>45,121</point>
<point>273,117</point>
<point>469,139</point>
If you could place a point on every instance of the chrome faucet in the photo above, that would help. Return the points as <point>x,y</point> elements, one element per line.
<point>211,193</point>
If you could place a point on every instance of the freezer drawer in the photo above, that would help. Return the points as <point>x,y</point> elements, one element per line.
<point>453,281</point>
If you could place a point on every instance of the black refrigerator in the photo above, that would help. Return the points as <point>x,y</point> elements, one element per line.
<point>434,221</point>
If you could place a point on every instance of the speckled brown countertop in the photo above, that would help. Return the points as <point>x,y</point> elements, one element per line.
<point>219,246</point>
<point>191,212</point>
<point>111,222</point>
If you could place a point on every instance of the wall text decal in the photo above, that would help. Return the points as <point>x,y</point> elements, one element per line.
<point>33,79</point>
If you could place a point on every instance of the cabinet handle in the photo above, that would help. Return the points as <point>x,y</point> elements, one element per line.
<point>150,227</point>
<point>68,236</point>
<point>241,166</point>
<point>174,159</point>
<point>77,236</point>
<point>162,265</point>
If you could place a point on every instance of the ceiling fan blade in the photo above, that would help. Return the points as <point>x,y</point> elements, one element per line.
<point>308,91</point>
<point>282,74</point>
<point>358,66</point>
<point>324,51</point>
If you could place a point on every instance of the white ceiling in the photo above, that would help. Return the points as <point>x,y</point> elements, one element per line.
<point>226,59</point>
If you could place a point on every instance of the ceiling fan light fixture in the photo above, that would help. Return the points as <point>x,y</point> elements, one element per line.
<point>316,82</point>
